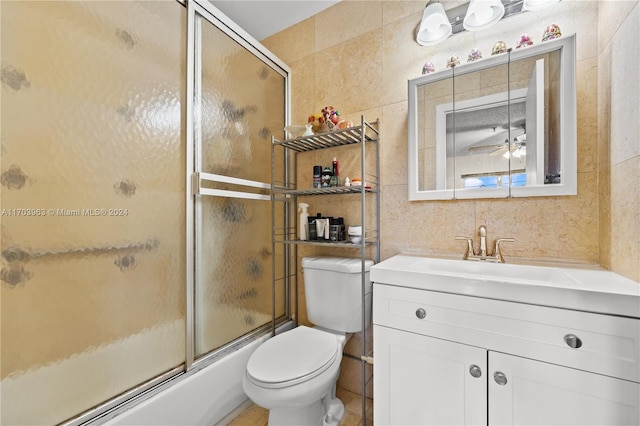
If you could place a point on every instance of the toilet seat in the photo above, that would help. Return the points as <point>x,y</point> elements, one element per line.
<point>293,357</point>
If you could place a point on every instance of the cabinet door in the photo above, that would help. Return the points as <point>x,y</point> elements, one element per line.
<point>527,392</point>
<point>421,380</point>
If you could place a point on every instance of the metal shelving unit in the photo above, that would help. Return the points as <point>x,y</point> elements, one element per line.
<point>286,191</point>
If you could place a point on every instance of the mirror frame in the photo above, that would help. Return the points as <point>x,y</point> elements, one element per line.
<point>568,127</point>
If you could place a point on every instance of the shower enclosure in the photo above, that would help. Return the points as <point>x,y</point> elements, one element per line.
<point>136,222</point>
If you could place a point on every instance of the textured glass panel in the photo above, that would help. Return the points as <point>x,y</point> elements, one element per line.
<point>92,280</point>
<point>233,286</point>
<point>242,104</point>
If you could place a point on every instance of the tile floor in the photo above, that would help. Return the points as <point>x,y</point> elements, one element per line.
<point>258,416</point>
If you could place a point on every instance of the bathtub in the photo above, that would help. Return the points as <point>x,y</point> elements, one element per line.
<point>206,396</point>
<point>211,396</point>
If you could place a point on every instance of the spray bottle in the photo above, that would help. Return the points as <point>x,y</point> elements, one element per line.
<point>304,221</point>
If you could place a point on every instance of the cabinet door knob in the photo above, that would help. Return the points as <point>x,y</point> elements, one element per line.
<point>421,313</point>
<point>475,371</point>
<point>572,341</point>
<point>500,378</point>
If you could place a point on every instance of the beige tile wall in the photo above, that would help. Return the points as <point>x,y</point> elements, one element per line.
<point>619,136</point>
<point>361,66</point>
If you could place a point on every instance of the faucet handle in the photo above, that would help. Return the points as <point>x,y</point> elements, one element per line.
<point>497,252</point>
<point>470,251</point>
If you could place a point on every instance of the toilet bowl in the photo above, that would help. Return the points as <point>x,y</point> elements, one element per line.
<point>294,374</point>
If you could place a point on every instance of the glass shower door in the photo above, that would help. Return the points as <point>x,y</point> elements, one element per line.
<point>93,178</point>
<point>239,100</point>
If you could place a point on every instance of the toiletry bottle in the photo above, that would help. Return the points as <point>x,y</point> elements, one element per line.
<point>326,177</point>
<point>313,233</point>
<point>335,177</point>
<point>336,231</point>
<point>304,222</point>
<point>317,176</point>
<point>321,224</point>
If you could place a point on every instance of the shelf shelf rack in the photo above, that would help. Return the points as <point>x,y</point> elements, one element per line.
<point>285,191</point>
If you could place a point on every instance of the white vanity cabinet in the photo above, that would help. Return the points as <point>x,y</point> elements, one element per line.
<point>541,393</point>
<point>443,358</point>
<point>420,380</point>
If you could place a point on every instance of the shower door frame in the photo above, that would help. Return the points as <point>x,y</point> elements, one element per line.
<point>194,178</point>
<point>144,391</point>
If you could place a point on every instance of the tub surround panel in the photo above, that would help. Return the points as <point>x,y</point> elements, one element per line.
<point>625,109</point>
<point>619,136</point>
<point>611,15</point>
<point>625,218</point>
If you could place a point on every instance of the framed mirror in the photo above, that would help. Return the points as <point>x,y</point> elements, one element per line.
<point>501,127</point>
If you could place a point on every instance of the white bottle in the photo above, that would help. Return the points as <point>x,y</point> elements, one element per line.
<point>304,222</point>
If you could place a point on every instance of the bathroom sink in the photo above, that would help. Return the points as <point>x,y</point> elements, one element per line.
<point>564,286</point>
<point>493,271</point>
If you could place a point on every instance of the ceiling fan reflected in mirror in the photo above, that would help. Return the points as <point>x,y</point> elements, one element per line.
<point>517,148</point>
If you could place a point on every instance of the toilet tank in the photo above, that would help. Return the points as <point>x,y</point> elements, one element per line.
<point>333,292</point>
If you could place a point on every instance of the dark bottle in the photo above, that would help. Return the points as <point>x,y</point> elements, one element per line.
<point>335,178</point>
<point>317,176</point>
<point>313,232</point>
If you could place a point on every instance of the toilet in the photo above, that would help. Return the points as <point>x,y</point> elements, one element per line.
<point>294,374</point>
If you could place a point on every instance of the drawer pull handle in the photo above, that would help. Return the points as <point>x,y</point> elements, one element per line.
<point>475,371</point>
<point>421,313</point>
<point>573,341</point>
<point>500,378</point>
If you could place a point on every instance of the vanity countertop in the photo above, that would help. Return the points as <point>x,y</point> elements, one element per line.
<point>580,288</point>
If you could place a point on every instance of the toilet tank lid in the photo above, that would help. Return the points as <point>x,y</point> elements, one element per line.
<point>337,264</point>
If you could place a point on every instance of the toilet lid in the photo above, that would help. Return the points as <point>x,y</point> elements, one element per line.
<point>291,357</point>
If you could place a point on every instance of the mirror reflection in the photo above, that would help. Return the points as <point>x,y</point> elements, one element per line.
<point>494,130</point>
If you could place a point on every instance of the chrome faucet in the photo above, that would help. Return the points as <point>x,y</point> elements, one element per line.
<point>483,255</point>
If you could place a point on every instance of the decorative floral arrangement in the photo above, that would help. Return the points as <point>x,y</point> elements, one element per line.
<point>325,121</point>
<point>316,121</point>
<point>331,115</point>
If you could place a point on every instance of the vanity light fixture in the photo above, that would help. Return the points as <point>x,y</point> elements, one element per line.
<point>537,4</point>
<point>483,14</point>
<point>435,25</point>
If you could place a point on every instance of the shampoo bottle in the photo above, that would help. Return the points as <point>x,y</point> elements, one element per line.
<point>304,221</point>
